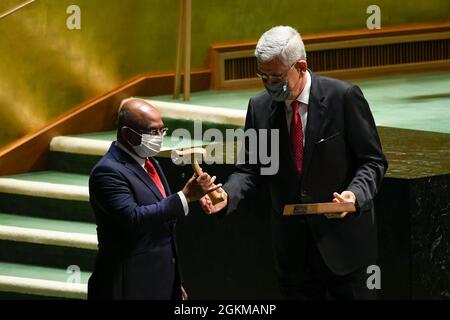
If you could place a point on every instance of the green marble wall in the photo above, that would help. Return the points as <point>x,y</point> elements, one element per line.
<point>46,69</point>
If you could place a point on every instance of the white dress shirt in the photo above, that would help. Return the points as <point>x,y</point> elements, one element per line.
<point>141,162</point>
<point>303,100</point>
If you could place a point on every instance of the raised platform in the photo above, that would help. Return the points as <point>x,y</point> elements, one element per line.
<point>412,208</point>
<point>415,101</point>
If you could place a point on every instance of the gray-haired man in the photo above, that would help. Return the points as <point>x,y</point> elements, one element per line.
<point>329,150</point>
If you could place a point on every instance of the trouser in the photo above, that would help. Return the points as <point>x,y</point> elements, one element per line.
<point>319,282</point>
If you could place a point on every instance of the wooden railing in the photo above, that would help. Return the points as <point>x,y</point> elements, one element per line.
<point>15,9</point>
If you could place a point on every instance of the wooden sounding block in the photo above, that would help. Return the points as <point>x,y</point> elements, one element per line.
<point>318,208</point>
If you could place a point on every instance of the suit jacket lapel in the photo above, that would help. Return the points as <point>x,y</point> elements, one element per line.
<point>315,122</point>
<point>143,175</point>
<point>161,175</point>
<point>133,166</point>
<point>278,121</point>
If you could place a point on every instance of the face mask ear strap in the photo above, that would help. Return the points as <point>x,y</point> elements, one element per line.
<point>133,131</point>
<point>128,140</point>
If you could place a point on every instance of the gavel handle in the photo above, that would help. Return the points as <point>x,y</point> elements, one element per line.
<point>215,195</point>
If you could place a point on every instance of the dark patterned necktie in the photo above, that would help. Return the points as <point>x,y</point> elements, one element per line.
<point>297,136</point>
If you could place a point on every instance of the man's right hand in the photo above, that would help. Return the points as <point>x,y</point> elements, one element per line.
<point>209,208</point>
<point>198,186</point>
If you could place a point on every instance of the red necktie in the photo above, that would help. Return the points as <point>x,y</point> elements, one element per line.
<point>155,177</point>
<point>297,136</point>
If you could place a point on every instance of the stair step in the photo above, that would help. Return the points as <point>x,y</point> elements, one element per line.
<point>80,145</point>
<point>176,110</point>
<point>97,144</point>
<point>48,194</point>
<point>41,281</point>
<point>47,231</point>
<point>47,184</point>
<point>47,224</point>
<point>79,154</point>
<point>40,236</point>
<point>221,99</point>
<point>47,242</point>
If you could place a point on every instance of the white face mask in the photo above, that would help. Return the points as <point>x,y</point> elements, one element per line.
<point>150,145</point>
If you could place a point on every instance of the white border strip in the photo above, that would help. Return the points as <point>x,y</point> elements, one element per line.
<point>43,287</point>
<point>50,237</point>
<point>44,189</point>
<point>202,113</point>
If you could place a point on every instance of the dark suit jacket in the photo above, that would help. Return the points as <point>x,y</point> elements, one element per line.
<point>137,255</point>
<point>342,152</point>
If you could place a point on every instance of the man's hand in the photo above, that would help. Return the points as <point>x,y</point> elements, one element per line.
<point>209,208</point>
<point>198,186</point>
<point>346,196</point>
<point>184,295</point>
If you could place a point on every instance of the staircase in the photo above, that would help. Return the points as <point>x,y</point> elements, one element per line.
<point>48,238</point>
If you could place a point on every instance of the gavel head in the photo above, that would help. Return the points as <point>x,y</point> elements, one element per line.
<point>188,156</point>
<point>194,156</point>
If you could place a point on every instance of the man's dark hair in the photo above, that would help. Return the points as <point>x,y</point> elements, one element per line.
<point>122,120</point>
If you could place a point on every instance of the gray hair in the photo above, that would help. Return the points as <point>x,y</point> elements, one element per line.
<point>281,42</point>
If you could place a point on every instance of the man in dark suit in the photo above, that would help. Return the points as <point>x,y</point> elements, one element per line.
<point>136,213</point>
<point>329,150</point>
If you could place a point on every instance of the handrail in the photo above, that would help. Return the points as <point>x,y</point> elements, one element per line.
<point>16,8</point>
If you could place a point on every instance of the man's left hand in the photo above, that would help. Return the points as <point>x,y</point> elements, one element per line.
<point>346,196</point>
<point>184,295</point>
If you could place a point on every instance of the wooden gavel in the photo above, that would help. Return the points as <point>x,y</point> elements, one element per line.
<point>179,158</point>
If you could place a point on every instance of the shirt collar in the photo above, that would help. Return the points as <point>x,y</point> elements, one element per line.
<point>304,96</point>
<point>139,160</point>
